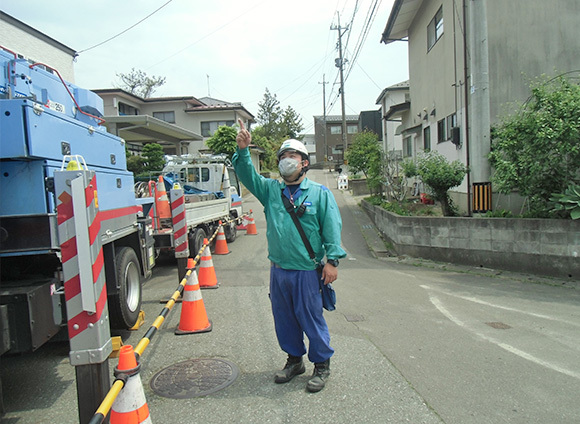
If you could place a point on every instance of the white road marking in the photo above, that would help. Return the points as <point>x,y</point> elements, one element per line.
<point>437,303</point>
<point>506,308</point>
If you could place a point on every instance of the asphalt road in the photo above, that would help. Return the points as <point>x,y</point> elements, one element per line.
<point>416,342</point>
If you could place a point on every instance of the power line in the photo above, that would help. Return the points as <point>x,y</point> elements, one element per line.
<point>209,34</point>
<point>123,32</point>
<point>364,34</point>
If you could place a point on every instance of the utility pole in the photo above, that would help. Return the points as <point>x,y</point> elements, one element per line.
<point>339,63</point>
<point>325,152</point>
<point>208,92</point>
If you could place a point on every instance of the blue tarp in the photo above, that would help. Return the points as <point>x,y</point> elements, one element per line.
<point>189,189</point>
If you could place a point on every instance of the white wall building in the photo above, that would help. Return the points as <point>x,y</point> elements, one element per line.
<point>140,120</point>
<point>34,46</point>
<point>394,102</point>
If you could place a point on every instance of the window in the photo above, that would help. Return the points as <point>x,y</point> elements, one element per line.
<point>195,175</point>
<point>441,133</point>
<point>451,122</point>
<point>234,180</point>
<point>165,116</point>
<point>435,29</point>
<point>352,129</point>
<point>209,127</point>
<point>408,147</point>
<point>125,109</point>
<point>427,139</point>
<point>335,129</point>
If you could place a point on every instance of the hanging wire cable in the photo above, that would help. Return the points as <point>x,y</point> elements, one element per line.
<point>369,77</point>
<point>369,19</point>
<point>123,32</point>
<point>363,35</point>
<point>351,24</point>
<point>248,10</point>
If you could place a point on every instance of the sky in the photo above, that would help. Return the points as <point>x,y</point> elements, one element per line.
<point>230,50</point>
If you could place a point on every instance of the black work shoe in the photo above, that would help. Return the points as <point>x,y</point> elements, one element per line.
<point>319,377</point>
<point>294,366</point>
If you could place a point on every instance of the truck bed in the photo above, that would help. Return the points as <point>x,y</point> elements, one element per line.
<point>200,208</point>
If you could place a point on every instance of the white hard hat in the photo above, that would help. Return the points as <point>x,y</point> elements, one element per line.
<point>293,145</point>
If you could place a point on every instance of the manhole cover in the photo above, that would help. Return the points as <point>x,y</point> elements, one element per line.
<point>194,377</point>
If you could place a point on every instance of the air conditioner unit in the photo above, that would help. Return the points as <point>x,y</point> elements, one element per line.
<point>456,136</point>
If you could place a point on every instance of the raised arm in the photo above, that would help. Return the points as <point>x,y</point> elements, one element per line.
<point>244,138</point>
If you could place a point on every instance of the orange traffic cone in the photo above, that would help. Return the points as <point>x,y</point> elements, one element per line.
<point>161,200</point>
<point>190,263</point>
<point>221,245</point>
<point>193,315</point>
<point>244,223</point>
<point>207,277</point>
<point>251,230</point>
<point>130,406</point>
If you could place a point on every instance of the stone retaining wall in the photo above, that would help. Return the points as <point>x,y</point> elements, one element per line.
<point>535,246</point>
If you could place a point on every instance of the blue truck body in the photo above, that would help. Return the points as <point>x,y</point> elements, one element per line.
<point>43,119</point>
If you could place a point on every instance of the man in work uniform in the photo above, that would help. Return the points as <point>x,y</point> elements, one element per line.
<point>294,280</point>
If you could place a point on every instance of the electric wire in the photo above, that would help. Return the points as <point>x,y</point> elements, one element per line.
<point>369,19</point>
<point>371,14</point>
<point>208,34</point>
<point>123,32</point>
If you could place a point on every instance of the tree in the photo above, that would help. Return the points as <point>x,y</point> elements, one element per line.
<point>395,180</point>
<point>135,164</point>
<point>269,157</point>
<point>269,116</point>
<point>275,125</point>
<point>364,155</point>
<point>291,123</point>
<point>139,83</point>
<point>223,140</point>
<point>536,150</point>
<point>154,157</point>
<point>439,176</point>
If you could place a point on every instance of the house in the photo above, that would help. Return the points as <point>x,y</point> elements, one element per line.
<point>328,136</point>
<point>187,121</point>
<point>28,43</point>
<point>180,124</point>
<point>394,102</point>
<point>309,141</point>
<point>469,61</point>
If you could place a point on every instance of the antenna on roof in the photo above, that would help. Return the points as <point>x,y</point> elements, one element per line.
<point>208,93</point>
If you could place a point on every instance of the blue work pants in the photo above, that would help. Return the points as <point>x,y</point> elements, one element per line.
<point>297,309</point>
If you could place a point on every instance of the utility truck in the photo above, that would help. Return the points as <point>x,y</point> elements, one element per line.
<point>212,193</point>
<point>47,126</point>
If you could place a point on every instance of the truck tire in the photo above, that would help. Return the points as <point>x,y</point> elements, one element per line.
<point>125,304</point>
<point>196,241</point>
<point>230,231</point>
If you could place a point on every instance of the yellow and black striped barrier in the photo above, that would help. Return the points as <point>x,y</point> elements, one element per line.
<point>481,197</point>
<point>119,383</point>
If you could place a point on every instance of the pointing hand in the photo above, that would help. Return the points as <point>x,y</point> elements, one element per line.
<point>244,138</point>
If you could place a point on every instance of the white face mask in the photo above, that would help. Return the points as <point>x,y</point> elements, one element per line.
<point>288,166</point>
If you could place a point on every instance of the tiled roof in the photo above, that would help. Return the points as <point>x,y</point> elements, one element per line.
<point>337,118</point>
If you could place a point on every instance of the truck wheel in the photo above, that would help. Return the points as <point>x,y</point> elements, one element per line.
<point>230,231</point>
<point>125,304</point>
<point>196,241</point>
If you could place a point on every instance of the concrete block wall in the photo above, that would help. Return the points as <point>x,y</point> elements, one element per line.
<point>536,246</point>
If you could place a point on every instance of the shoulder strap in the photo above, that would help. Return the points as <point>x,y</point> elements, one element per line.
<point>290,208</point>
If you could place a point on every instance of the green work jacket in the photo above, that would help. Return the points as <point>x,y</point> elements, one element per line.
<point>321,220</point>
